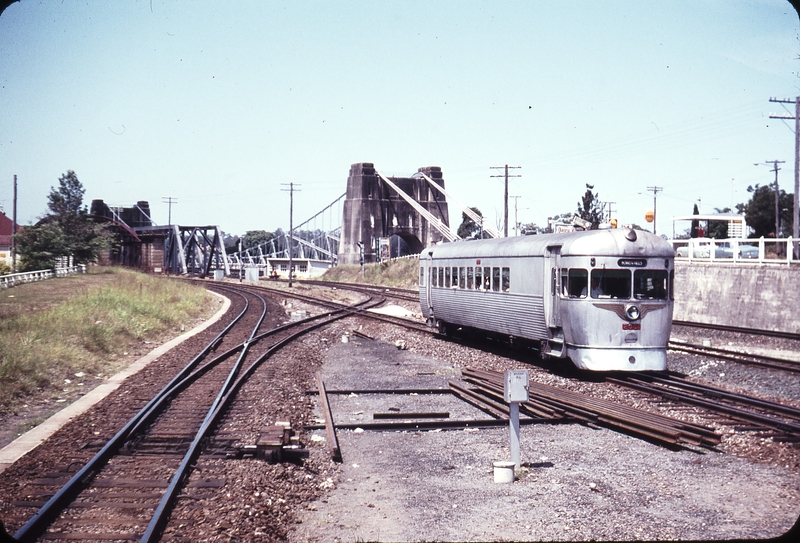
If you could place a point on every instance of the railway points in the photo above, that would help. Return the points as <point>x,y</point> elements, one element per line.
<point>427,472</point>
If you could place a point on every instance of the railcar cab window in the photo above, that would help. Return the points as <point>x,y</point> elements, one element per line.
<point>574,283</point>
<point>650,284</point>
<point>610,284</point>
<point>441,277</point>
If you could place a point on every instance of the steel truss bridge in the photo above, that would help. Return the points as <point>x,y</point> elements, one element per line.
<point>308,240</point>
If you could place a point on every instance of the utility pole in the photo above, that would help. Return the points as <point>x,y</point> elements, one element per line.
<point>14,230</point>
<point>516,222</point>
<point>777,193</point>
<point>655,190</point>
<point>609,204</point>
<point>796,210</point>
<point>169,200</point>
<point>291,191</point>
<point>505,198</point>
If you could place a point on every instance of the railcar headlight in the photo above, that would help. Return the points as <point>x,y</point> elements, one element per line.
<point>632,312</point>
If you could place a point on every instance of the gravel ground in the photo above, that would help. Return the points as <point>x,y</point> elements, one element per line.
<point>576,483</point>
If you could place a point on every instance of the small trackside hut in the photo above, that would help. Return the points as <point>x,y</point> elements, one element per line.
<point>602,298</point>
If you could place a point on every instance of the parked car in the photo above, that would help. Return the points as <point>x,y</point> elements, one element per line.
<point>722,249</point>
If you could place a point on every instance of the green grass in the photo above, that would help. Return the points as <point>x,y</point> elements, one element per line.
<point>402,273</point>
<point>86,330</point>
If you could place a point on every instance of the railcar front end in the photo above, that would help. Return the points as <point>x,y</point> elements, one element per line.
<point>616,311</point>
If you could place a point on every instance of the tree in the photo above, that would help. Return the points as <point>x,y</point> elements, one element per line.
<point>469,229</point>
<point>531,228</point>
<point>760,211</point>
<point>252,238</point>
<point>66,231</point>
<point>590,209</point>
<point>718,229</point>
<point>695,223</point>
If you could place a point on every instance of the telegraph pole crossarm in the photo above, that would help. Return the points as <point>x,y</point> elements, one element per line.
<point>505,198</point>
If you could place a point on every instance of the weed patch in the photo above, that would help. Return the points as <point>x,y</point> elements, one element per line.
<point>39,349</point>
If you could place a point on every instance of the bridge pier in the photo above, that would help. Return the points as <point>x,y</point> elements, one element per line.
<point>372,210</point>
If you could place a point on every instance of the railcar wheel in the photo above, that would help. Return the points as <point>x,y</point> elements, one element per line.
<point>443,328</point>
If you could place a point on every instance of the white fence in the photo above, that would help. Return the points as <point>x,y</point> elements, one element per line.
<point>13,279</point>
<point>759,251</point>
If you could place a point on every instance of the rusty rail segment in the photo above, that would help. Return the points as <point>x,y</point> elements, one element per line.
<point>601,412</point>
<point>734,406</point>
<point>330,428</point>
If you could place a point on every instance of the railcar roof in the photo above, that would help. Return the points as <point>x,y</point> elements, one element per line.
<point>612,242</point>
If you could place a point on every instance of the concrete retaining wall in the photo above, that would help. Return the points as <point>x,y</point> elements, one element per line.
<point>765,298</point>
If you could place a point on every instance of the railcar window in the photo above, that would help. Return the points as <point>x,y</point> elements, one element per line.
<point>461,277</point>
<point>611,284</point>
<point>574,283</point>
<point>496,279</point>
<point>487,278</point>
<point>650,284</point>
<point>506,274</point>
<point>422,277</point>
<point>447,276</point>
<point>470,278</point>
<point>455,277</point>
<point>441,277</point>
<point>478,278</point>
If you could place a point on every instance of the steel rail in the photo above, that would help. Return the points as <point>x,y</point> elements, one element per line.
<point>612,415</point>
<point>751,331</point>
<point>742,358</point>
<point>163,510</point>
<point>681,382</point>
<point>330,428</point>
<point>736,413</point>
<point>39,522</point>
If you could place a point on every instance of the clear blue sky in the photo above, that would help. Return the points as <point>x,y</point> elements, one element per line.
<point>218,104</point>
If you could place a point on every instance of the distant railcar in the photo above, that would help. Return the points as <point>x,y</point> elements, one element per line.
<point>602,298</point>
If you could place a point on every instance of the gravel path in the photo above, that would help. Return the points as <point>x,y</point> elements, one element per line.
<point>576,483</point>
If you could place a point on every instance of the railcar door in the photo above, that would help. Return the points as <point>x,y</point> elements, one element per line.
<point>428,280</point>
<point>551,294</point>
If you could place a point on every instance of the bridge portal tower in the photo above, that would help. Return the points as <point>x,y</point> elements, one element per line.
<point>373,210</point>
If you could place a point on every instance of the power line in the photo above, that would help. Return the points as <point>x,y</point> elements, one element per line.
<point>505,197</point>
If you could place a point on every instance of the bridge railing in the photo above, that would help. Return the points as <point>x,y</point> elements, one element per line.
<point>758,251</point>
<point>13,279</point>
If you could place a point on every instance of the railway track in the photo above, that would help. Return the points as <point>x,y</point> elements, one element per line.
<point>136,477</point>
<point>778,421</point>
<point>753,359</point>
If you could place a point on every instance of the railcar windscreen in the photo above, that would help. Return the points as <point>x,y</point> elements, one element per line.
<point>611,284</point>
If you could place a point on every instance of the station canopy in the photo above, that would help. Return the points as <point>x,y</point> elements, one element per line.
<point>737,226</point>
